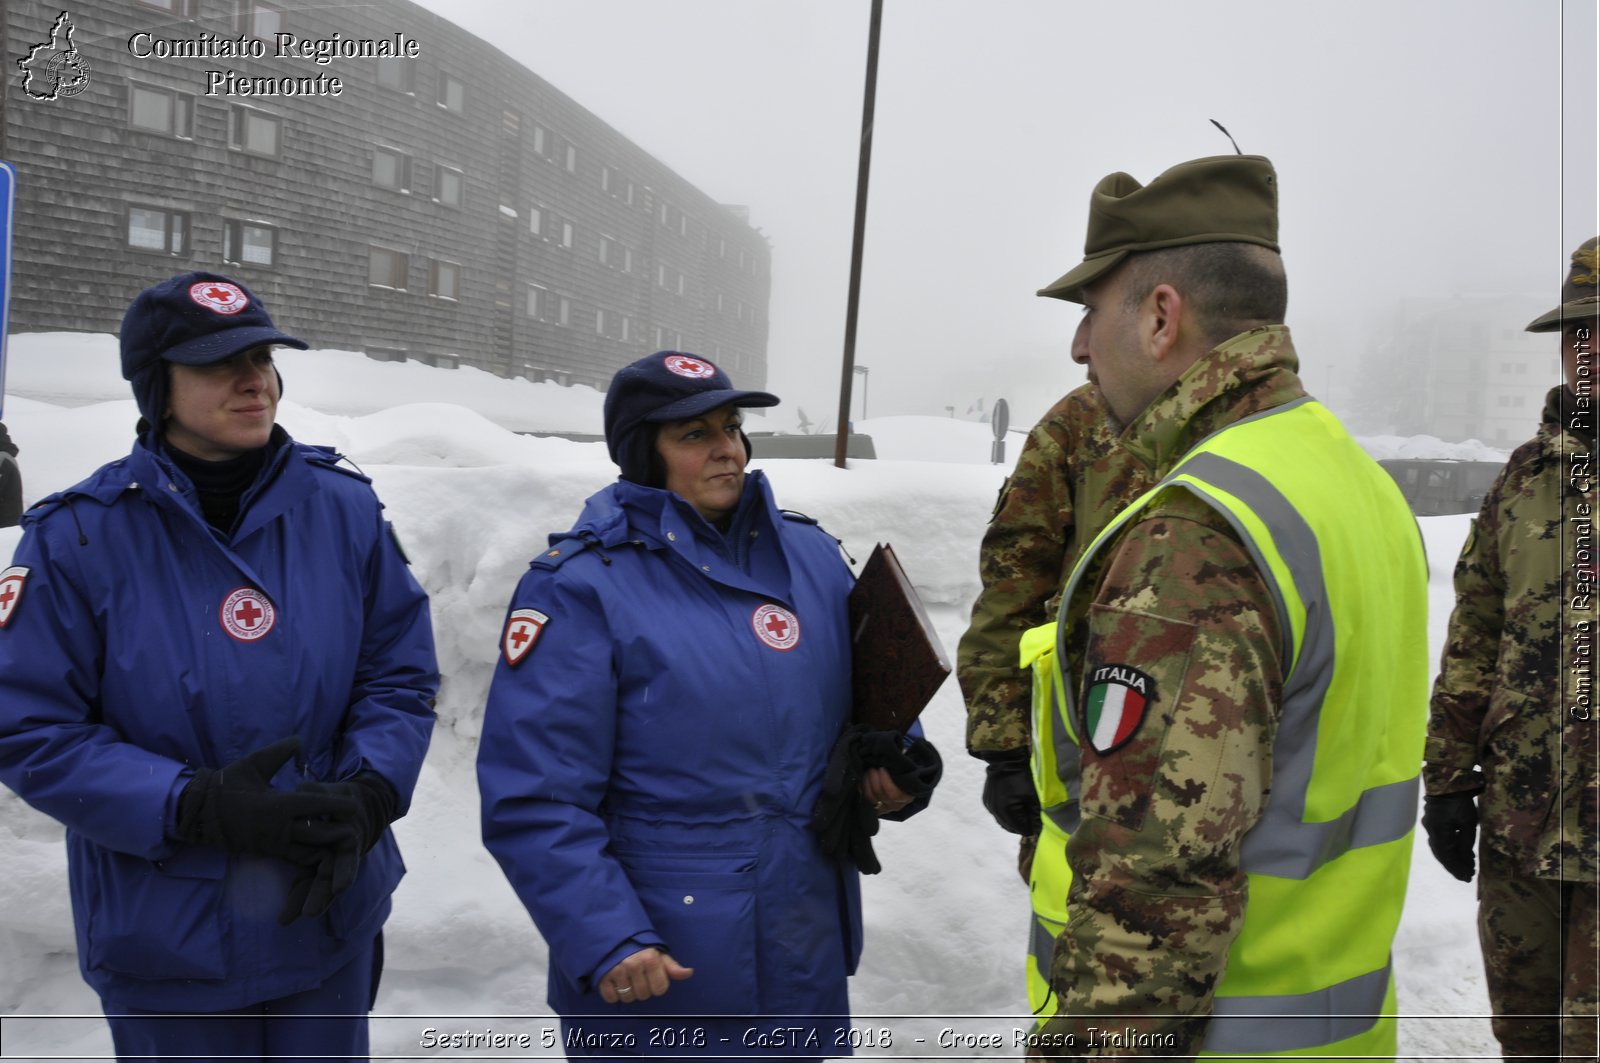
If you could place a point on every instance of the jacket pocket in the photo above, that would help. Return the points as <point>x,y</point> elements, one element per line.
<point>707,917</point>
<point>157,919</point>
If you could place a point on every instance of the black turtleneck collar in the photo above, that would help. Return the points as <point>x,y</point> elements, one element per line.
<point>221,484</point>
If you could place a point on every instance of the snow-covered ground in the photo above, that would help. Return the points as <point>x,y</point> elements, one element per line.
<point>946,921</point>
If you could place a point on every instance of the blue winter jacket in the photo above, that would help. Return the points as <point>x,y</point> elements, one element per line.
<point>143,645</point>
<point>648,768</point>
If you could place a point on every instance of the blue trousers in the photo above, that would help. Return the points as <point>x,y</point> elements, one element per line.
<point>326,1022</point>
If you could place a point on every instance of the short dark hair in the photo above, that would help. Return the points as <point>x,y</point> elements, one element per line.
<point>1230,286</point>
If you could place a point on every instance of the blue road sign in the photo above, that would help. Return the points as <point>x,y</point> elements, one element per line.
<point>8,182</point>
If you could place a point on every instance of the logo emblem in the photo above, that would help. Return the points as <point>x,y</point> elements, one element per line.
<point>220,296</point>
<point>522,631</point>
<point>247,615</point>
<point>1115,707</point>
<point>55,69</point>
<point>693,368</point>
<point>777,627</point>
<point>12,580</point>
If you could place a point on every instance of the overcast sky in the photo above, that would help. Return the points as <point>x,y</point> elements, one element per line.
<point>1424,148</point>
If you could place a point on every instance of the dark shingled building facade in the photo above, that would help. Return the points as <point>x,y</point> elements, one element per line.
<point>447,205</point>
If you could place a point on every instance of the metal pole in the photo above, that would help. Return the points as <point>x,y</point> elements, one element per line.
<point>848,372</point>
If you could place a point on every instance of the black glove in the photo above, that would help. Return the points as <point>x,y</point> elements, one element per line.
<point>844,821</point>
<point>360,810</point>
<point>1451,821</point>
<point>1009,793</point>
<point>236,809</point>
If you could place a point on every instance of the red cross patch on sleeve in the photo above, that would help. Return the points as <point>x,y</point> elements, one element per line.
<point>522,631</point>
<point>12,581</point>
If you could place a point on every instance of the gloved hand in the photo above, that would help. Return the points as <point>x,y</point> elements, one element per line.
<point>1451,821</point>
<point>236,809</point>
<point>361,809</point>
<point>1009,793</point>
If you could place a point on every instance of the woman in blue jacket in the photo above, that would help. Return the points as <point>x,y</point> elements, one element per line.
<point>674,673</point>
<point>217,672</point>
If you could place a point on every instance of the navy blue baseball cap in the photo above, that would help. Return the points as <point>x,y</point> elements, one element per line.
<point>665,386</point>
<point>190,319</point>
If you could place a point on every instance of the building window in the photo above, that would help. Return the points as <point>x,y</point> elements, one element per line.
<point>719,302</point>
<point>600,322</point>
<point>541,139</point>
<point>161,111</point>
<point>627,260</point>
<point>388,269</point>
<point>608,180</point>
<point>566,234</point>
<point>259,19</point>
<point>452,94</point>
<point>571,159</point>
<point>627,329</point>
<point>627,194</point>
<point>447,186</point>
<point>538,302</point>
<point>444,279</point>
<point>391,169</point>
<point>157,229</point>
<point>536,221</point>
<point>249,244</point>
<point>181,8</point>
<point>397,73</point>
<point>255,132</point>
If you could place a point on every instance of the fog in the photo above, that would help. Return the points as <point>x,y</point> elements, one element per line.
<point>1434,158</point>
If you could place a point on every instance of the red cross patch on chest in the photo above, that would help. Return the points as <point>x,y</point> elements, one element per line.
<point>247,615</point>
<point>777,627</point>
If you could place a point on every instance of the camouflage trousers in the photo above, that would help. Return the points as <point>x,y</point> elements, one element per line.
<point>1541,948</point>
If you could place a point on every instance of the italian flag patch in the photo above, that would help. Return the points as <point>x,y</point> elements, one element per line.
<point>1115,706</point>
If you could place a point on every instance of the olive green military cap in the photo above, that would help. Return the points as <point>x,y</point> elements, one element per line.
<point>1580,295</point>
<point>1220,199</point>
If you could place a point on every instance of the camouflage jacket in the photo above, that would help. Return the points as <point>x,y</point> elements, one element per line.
<point>1512,713</point>
<point>1158,894</point>
<point>1069,481</point>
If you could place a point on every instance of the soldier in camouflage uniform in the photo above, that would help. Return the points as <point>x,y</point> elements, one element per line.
<point>1184,294</point>
<point>1511,738</point>
<point>1068,483</point>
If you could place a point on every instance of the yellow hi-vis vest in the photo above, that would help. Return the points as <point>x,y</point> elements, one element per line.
<point>1049,877</point>
<point>1310,970</point>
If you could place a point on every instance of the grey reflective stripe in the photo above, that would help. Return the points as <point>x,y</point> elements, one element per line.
<point>1244,1025</point>
<point>1281,843</point>
<point>1066,816</point>
<point>1042,946</point>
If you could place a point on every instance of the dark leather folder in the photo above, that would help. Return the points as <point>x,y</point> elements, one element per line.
<point>898,663</point>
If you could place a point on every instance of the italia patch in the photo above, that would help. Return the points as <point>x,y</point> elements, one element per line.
<point>776,627</point>
<point>247,615</point>
<point>523,628</point>
<point>219,296</point>
<point>693,368</point>
<point>1115,706</point>
<point>12,581</point>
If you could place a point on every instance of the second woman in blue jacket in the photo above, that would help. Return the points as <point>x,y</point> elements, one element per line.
<point>674,673</point>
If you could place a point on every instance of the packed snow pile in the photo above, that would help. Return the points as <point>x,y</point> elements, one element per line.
<point>947,921</point>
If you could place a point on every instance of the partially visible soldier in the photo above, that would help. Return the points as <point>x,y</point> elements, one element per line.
<point>1069,481</point>
<point>10,482</point>
<point>1244,658</point>
<point>1511,735</point>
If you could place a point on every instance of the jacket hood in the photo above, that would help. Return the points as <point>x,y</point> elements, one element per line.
<point>625,511</point>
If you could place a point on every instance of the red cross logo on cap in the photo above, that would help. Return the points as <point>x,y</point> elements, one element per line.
<point>776,627</point>
<point>523,627</point>
<point>220,296</point>
<point>247,615</point>
<point>12,581</point>
<point>694,368</point>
